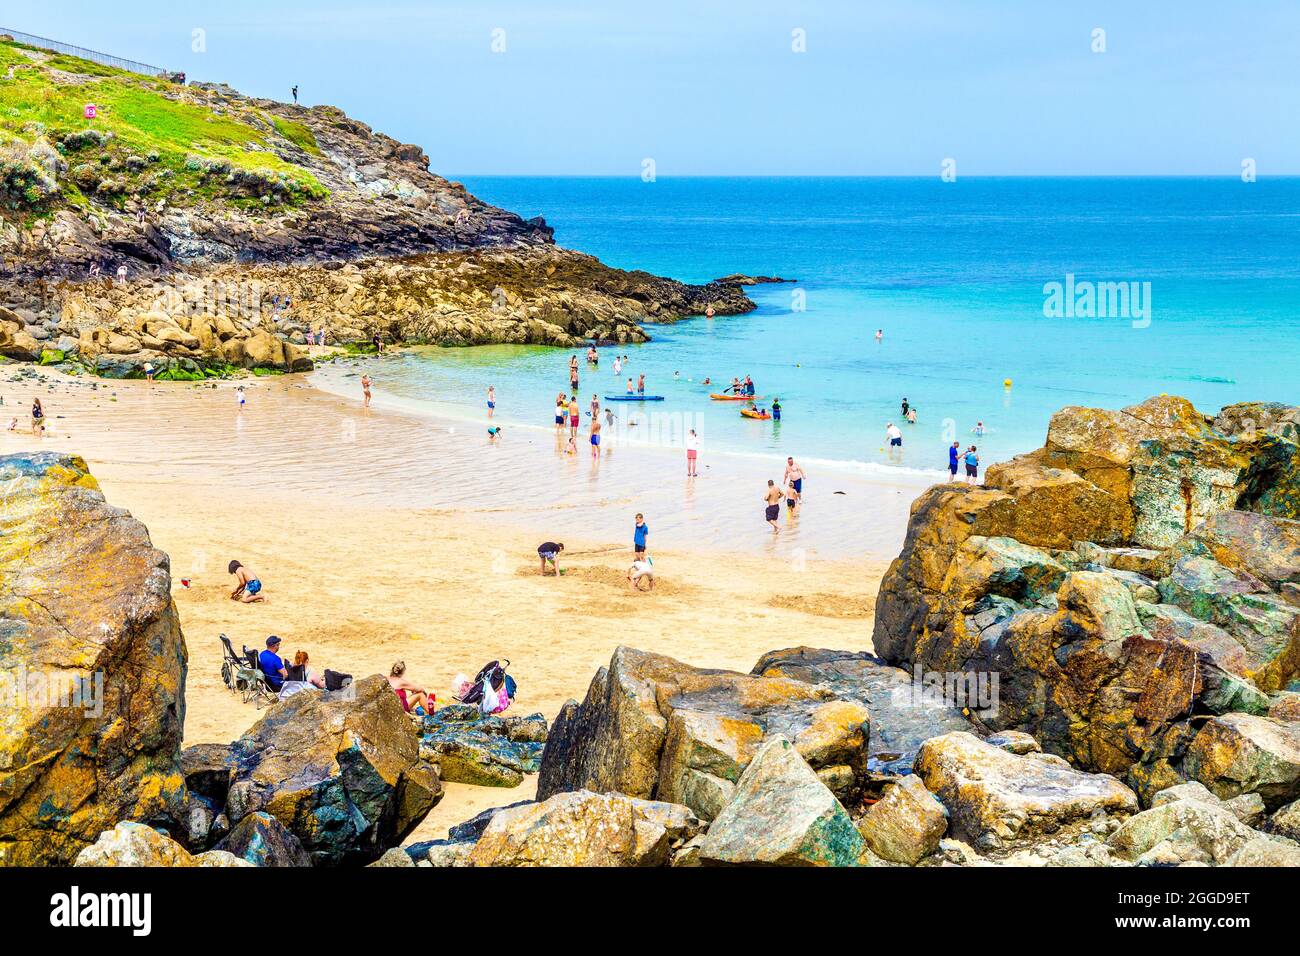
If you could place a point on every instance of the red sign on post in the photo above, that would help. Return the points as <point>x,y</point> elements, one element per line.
<point>91,111</point>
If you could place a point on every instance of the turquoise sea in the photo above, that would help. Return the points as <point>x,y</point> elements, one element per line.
<point>954,275</point>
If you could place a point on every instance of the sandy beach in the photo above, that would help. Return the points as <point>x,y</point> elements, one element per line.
<point>350,519</point>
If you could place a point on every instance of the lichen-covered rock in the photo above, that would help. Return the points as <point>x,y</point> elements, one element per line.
<point>134,844</point>
<point>653,727</point>
<point>781,814</point>
<point>1181,831</point>
<point>85,596</point>
<point>262,840</point>
<point>995,798</point>
<point>1266,851</point>
<point>1242,753</point>
<point>340,770</point>
<point>581,828</point>
<point>906,824</point>
<point>487,751</point>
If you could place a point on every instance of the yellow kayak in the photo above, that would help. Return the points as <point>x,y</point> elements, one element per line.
<point>751,413</point>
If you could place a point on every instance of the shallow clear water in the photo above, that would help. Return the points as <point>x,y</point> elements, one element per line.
<point>954,274</point>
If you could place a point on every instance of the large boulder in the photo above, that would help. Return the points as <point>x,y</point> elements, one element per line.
<point>581,828</point>
<point>86,598</point>
<point>996,798</point>
<point>656,728</point>
<point>134,844</point>
<point>1243,753</point>
<point>340,770</point>
<point>781,814</point>
<point>1181,831</point>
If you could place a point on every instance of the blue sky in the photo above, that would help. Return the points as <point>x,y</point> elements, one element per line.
<point>711,88</point>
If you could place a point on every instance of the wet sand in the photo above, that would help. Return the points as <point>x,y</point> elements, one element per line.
<point>382,535</point>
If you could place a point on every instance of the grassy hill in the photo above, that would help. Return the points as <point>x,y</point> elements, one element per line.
<point>151,140</point>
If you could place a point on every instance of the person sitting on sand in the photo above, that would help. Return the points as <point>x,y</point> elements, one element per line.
<point>272,665</point>
<point>248,588</point>
<point>301,672</point>
<point>550,551</point>
<point>571,447</point>
<point>641,570</point>
<point>415,699</point>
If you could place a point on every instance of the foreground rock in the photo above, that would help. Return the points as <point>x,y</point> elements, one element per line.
<point>339,771</point>
<point>261,840</point>
<point>1132,577</point>
<point>781,814</point>
<point>134,844</point>
<point>997,798</point>
<point>85,595</point>
<point>584,829</point>
<point>487,751</point>
<point>906,825</point>
<point>656,728</point>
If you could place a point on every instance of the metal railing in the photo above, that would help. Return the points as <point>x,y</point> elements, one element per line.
<point>77,51</point>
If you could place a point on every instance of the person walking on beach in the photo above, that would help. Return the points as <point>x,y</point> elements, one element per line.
<point>559,413</point>
<point>573,416</point>
<point>793,476</point>
<point>248,586</point>
<point>595,406</point>
<point>491,400</point>
<point>772,502</point>
<point>972,466</point>
<point>365,390</point>
<point>595,438</point>
<point>792,502</point>
<point>241,399</point>
<point>549,552</point>
<point>692,454</point>
<point>954,452</point>
<point>38,418</point>
<point>639,534</point>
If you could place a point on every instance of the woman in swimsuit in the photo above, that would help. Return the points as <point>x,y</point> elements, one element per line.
<point>411,695</point>
<point>38,418</point>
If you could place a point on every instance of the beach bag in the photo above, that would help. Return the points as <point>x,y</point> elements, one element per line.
<point>336,681</point>
<point>491,700</point>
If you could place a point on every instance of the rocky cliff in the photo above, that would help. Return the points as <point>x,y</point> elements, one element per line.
<point>252,219</point>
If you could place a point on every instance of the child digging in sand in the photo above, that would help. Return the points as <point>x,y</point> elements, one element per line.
<point>549,552</point>
<point>641,570</point>
<point>248,588</point>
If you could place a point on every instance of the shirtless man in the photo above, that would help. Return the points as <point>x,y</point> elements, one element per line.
<point>773,501</point>
<point>595,438</point>
<point>573,416</point>
<point>793,477</point>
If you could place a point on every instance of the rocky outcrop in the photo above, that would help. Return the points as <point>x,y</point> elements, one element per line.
<point>906,824</point>
<point>261,840</point>
<point>92,666</point>
<point>656,728</point>
<point>340,771</point>
<point>487,751</point>
<point>1127,581</point>
<point>581,828</point>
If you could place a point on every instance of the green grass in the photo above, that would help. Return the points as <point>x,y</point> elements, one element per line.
<point>177,139</point>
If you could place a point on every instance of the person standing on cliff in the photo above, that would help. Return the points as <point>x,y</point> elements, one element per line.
<point>295,94</point>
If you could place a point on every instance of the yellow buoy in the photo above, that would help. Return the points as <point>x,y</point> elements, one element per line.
<point>1006,382</point>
